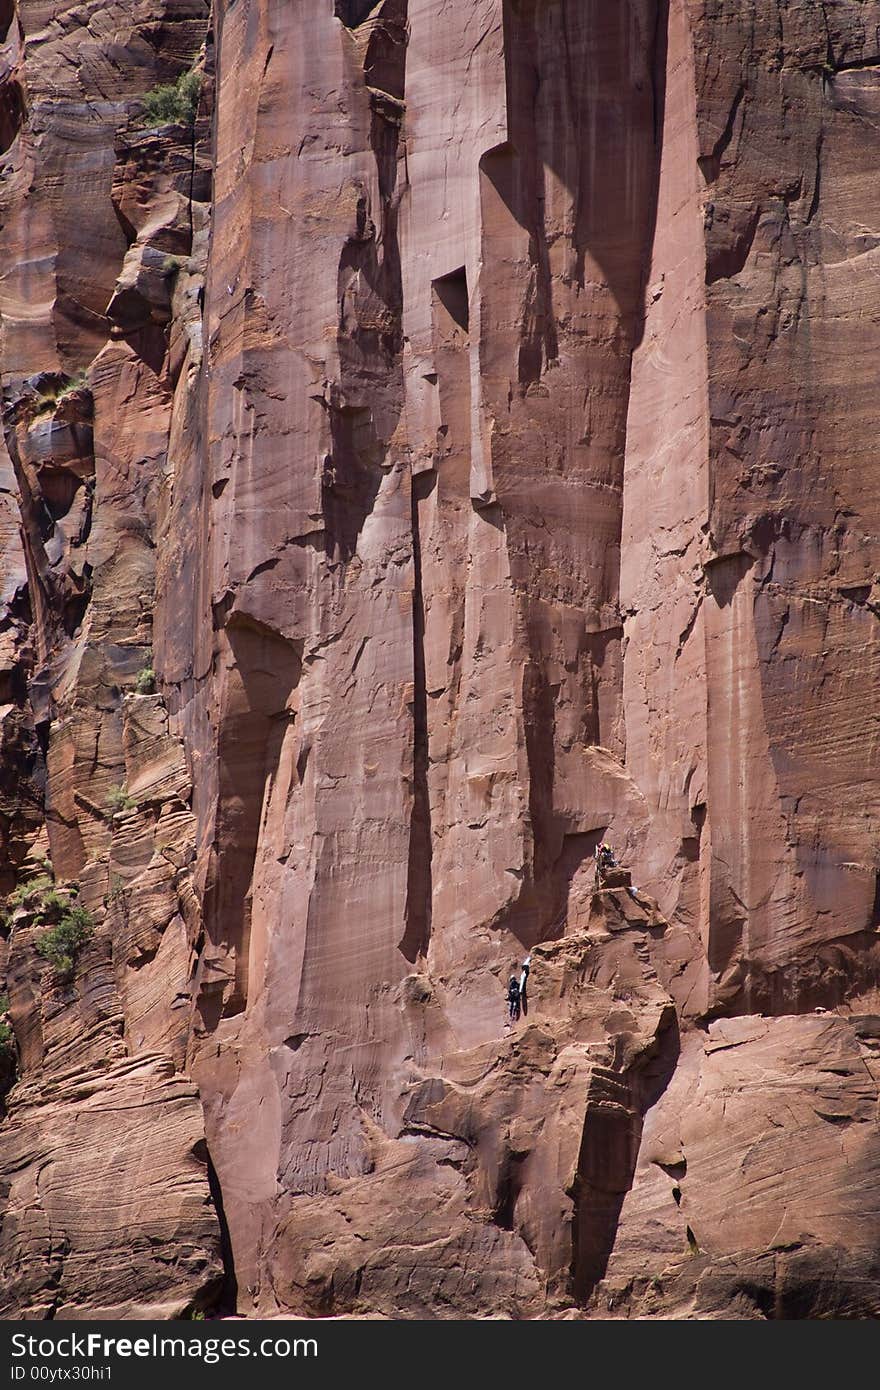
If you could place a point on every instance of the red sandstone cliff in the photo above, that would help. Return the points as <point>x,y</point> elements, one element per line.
<point>449,445</point>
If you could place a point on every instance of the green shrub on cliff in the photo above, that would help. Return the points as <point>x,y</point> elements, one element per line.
<point>68,926</point>
<point>7,1037</point>
<point>118,799</point>
<point>52,902</point>
<point>50,396</point>
<point>32,888</point>
<point>173,103</point>
<point>146,681</point>
<point>61,944</point>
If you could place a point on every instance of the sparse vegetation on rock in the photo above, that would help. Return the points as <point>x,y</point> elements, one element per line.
<point>118,799</point>
<point>8,1053</point>
<point>61,944</point>
<point>28,890</point>
<point>68,925</point>
<point>173,103</point>
<point>7,1037</point>
<point>48,397</point>
<point>146,681</point>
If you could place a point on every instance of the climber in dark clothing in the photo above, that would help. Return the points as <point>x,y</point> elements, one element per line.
<point>513,999</point>
<point>604,859</point>
<point>523,981</point>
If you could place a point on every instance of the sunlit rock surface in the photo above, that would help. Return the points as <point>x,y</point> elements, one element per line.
<point>449,446</point>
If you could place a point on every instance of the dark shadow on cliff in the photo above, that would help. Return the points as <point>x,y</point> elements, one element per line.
<point>419,883</point>
<point>7,15</point>
<point>254,715</point>
<point>226,1303</point>
<point>586,93</point>
<point>617,1103</point>
<point>352,13</point>
<point>366,402</point>
<point>366,405</point>
<point>578,75</point>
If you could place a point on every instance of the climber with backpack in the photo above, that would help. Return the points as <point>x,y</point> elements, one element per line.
<point>604,860</point>
<point>523,980</point>
<point>513,999</point>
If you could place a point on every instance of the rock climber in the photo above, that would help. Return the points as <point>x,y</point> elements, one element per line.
<point>604,858</point>
<point>523,980</point>
<point>513,1000</point>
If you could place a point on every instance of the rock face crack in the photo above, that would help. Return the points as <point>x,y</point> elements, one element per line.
<point>451,449</point>
<point>419,888</point>
<point>710,164</point>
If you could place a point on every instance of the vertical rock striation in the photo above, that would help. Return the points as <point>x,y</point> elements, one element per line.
<point>103,1148</point>
<point>445,447</point>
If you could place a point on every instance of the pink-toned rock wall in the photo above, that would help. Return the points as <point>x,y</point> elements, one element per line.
<point>750,511</point>
<point>107,1207</point>
<point>474,442</point>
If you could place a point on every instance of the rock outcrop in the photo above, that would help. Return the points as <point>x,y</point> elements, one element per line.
<point>108,1210</point>
<point>438,439</point>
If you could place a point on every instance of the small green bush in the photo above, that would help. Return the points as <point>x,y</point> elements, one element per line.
<point>30,889</point>
<point>50,397</point>
<point>115,890</point>
<point>61,945</point>
<point>118,799</point>
<point>172,264</point>
<point>52,901</point>
<point>173,103</point>
<point>146,681</point>
<point>7,1036</point>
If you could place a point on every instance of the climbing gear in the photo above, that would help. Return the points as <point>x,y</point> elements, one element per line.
<point>513,999</point>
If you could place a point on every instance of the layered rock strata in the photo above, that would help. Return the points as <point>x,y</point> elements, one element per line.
<point>445,449</point>
<point>107,1206</point>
